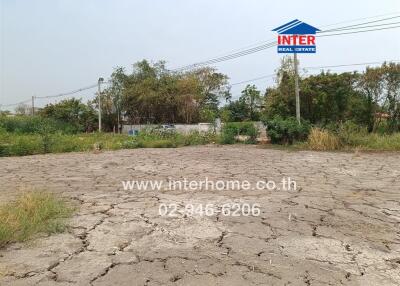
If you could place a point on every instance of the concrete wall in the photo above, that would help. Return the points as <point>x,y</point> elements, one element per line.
<point>187,128</point>
<point>181,128</point>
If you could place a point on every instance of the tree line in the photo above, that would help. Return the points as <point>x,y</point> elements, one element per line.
<point>370,98</point>
<point>152,94</point>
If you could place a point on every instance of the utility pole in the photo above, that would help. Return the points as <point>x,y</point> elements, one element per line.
<point>99,95</point>
<point>296,87</point>
<point>33,105</point>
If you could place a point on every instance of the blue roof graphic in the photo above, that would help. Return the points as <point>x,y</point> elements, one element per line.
<point>296,27</point>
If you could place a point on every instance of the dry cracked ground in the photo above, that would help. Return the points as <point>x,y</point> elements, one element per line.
<point>340,227</point>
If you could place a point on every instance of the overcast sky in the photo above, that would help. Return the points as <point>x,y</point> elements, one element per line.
<point>53,46</point>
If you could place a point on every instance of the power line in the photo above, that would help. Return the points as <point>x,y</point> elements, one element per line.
<point>360,19</point>
<point>14,104</point>
<point>348,65</point>
<point>52,96</point>
<point>330,25</point>
<point>253,79</point>
<point>69,93</point>
<point>264,46</point>
<point>370,22</point>
<point>361,31</point>
<point>228,57</point>
<point>272,44</point>
<point>362,27</point>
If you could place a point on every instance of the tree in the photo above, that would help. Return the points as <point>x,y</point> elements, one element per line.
<point>152,94</point>
<point>251,97</point>
<point>236,110</point>
<point>325,98</point>
<point>213,87</point>
<point>391,82</point>
<point>281,100</point>
<point>371,85</point>
<point>72,111</point>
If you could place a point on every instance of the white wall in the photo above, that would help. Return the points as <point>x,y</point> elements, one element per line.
<point>181,128</point>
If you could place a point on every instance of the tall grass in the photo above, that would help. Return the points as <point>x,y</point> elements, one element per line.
<point>323,140</point>
<point>374,141</point>
<point>30,214</point>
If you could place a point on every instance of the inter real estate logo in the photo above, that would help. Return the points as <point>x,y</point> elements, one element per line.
<point>296,37</point>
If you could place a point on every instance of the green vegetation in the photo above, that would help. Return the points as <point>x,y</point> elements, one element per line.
<point>30,214</point>
<point>286,131</point>
<point>247,107</point>
<point>232,129</point>
<point>80,117</point>
<point>12,144</point>
<point>346,110</point>
<point>349,137</point>
<point>152,94</point>
<point>35,124</point>
<point>367,99</point>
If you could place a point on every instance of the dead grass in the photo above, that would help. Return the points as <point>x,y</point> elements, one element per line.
<point>323,140</point>
<point>32,213</point>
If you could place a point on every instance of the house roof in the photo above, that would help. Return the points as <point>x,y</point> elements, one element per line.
<point>296,27</point>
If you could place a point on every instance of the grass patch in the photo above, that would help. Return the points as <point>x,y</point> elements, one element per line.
<point>15,144</point>
<point>323,140</point>
<point>374,142</point>
<point>32,213</point>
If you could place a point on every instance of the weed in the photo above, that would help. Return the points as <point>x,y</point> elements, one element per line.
<point>30,214</point>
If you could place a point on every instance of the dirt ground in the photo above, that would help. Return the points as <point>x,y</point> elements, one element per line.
<point>341,225</point>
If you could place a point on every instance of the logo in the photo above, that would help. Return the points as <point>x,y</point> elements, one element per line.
<point>296,37</point>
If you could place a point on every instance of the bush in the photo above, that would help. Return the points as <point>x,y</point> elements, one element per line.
<point>287,131</point>
<point>322,140</point>
<point>232,129</point>
<point>348,129</point>
<point>227,136</point>
<point>345,130</point>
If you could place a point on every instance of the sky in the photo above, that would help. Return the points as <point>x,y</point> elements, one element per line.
<point>49,47</point>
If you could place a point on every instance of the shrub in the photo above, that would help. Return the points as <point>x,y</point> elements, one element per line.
<point>32,213</point>
<point>287,131</point>
<point>322,140</point>
<point>232,129</point>
<point>227,136</point>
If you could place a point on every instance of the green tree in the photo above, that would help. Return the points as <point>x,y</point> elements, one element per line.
<point>251,97</point>
<point>72,111</point>
<point>236,110</point>
<point>391,79</point>
<point>152,94</point>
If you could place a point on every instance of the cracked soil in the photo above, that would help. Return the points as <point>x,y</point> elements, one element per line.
<point>340,227</point>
